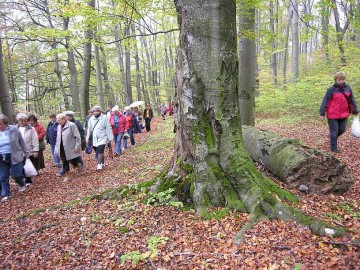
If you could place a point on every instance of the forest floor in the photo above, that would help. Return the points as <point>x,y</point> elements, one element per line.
<point>53,226</point>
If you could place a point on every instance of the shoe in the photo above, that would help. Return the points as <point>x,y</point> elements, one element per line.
<point>116,154</point>
<point>99,167</point>
<point>4,199</point>
<point>27,185</point>
<point>23,188</point>
<point>59,174</point>
<point>55,165</point>
<point>335,150</point>
<point>58,165</point>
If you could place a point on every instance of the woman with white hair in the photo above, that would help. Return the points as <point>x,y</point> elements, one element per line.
<point>68,144</point>
<point>99,135</point>
<point>30,138</point>
<point>12,152</point>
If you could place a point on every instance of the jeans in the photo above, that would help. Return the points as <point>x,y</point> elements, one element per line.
<point>7,169</point>
<point>132,139</point>
<point>336,127</point>
<point>117,139</point>
<point>55,157</point>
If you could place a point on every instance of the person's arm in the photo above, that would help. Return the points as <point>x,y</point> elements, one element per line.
<point>77,137</point>
<point>325,102</point>
<point>41,132</point>
<point>353,105</point>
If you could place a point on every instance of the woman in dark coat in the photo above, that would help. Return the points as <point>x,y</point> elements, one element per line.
<point>148,115</point>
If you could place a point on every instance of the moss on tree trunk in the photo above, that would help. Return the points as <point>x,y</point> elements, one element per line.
<point>209,150</point>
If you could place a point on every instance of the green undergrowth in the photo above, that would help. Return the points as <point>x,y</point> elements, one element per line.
<point>300,101</point>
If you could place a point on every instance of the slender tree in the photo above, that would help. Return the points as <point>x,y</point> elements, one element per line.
<point>247,63</point>
<point>7,107</point>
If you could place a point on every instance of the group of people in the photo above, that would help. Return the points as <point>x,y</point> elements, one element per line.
<point>67,139</point>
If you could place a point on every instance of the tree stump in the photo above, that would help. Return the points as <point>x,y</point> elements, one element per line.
<point>298,165</point>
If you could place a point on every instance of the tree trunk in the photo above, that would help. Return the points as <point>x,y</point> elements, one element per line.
<point>247,64</point>
<point>340,32</point>
<point>72,67</point>
<point>7,107</point>
<point>273,45</point>
<point>295,42</point>
<point>286,48</point>
<point>86,70</point>
<point>297,164</point>
<point>108,91</point>
<point>121,64</point>
<point>129,99</point>
<point>138,79</point>
<point>209,151</point>
<point>100,90</point>
<point>59,76</point>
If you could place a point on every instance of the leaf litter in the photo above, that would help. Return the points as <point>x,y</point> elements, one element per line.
<point>49,227</point>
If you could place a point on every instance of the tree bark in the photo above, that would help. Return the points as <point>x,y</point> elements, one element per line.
<point>7,107</point>
<point>108,91</point>
<point>86,70</point>
<point>274,65</point>
<point>247,64</point>
<point>295,42</point>
<point>99,82</point>
<point>209,150</point>
<point>128,96</point>
<point>297,164</point>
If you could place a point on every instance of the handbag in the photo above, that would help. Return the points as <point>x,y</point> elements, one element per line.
<point>88,149</point>
<point>90,140</point>
<point>41,145</point>
<point>29,168</point>
<point>126,136</point>
<point>355,127</point>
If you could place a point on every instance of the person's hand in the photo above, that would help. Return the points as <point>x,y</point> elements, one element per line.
<point>322,117</point>
<point>35,154</point>
<point>77,149</point>
<point>27,155</point>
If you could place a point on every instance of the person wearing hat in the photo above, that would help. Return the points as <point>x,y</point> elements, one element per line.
<point>119,126</point>
<point>99,134</point>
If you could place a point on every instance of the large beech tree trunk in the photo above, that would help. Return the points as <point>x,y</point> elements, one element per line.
<point>297,164</point>
<point>209,151</point>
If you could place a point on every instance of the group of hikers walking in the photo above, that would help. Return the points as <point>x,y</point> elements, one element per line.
<point>68,138</point>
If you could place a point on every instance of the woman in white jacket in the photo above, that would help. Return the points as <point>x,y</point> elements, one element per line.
<point>99,134</point>
<point>30,138</point>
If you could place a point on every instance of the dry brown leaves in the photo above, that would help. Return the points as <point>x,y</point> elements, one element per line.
<point>96,234</point>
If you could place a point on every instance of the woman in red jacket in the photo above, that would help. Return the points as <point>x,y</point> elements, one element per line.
<point>119,125</point>
<point>39,162</point>
<point>338,104</point>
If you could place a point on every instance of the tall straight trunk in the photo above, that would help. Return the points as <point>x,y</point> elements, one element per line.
<point>273,45</point>
<point>7,107</point>
<point>99,84</point>
<point>128,96</point>
<point>340,32</point>
<point>10,72</point>
<point>247,64</point>
<point>72,67</point>
<point>121,63</point>
<point>108,90</point>
<point>138,79</point>
<point>286,47</point>
<point>58,73</point>
<point>148,68</point>
<point>295,43</point>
